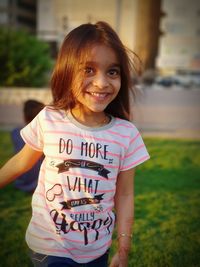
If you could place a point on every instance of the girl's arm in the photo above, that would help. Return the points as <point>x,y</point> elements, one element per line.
<point>124,206</point>
<point>19,164</point>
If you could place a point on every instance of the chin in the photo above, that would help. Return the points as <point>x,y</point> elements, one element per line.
<point>98,110</point>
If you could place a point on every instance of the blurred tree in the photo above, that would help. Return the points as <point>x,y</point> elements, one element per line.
<point>24,60</point>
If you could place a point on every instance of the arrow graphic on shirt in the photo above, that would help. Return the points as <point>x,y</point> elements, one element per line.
<point>84,164</point>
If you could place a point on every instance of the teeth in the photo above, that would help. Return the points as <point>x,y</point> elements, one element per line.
<point>98,94</point>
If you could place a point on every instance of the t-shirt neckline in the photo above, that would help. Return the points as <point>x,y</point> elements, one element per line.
<point>69,115</point>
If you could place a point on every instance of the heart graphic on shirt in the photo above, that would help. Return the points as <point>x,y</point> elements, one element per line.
<point>56,190</point>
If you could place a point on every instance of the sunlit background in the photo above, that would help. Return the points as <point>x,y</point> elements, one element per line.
<point>164,33</point>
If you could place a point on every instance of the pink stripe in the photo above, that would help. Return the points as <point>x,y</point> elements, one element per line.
<point>135,162</point>
<point>53,172</point>
<point>51,182</point>
<point>118,134</point>
<point>78,173</point>
<point>74,255</point>
<point>125,124</point>
<point>111,166</point>
<point>98,191</point>
<point>133,140</point>
<point>47,230</point>
<point>82,188</point>
<point>68,251</point>
<point>134,151</point>
<point>42,207</point>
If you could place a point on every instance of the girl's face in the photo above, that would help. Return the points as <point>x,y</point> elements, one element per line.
<point>98,81</point>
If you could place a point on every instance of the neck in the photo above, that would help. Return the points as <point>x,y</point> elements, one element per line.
<point>91,119</point>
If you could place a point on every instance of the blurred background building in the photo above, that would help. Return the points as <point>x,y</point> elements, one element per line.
<point>136,22</point>
<point>164,33</point>
<point>18,14</point>
<point>179,45</point>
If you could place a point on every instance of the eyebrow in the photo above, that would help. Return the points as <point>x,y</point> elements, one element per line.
<point>114,64</point>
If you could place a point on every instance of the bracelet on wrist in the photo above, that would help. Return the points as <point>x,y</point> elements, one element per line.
<point>125,235</point>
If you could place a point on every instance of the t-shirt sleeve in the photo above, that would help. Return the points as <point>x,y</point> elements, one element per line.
<point>136,152</point>
<point>32,133</point>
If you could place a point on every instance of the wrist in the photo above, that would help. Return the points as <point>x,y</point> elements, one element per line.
<point>124,242</point>
<point>125,235</point>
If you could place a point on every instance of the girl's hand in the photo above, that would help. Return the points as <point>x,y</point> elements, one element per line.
<point>115,261</point>
<point>120,259</point>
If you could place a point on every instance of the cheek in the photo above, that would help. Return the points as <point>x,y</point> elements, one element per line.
<point>86,82</point>
<point>81,83</point>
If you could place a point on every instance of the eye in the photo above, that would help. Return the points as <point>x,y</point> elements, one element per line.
<point>88,70</point>
<point>114,72</point>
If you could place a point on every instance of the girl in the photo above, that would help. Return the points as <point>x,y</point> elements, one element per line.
<point>91,151</point>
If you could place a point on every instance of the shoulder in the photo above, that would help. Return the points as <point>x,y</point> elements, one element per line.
<point>51,112</point>
<point>125,126</point>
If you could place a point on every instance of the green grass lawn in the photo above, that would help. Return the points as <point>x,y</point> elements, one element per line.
<point>167,209</point>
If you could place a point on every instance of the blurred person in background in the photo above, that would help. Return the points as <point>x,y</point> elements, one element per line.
<point>27,182</point>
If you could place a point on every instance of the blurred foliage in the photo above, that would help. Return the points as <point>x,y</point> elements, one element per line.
<point>25,60</point>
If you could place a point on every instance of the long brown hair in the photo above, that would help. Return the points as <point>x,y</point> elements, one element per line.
<point>74,49</point>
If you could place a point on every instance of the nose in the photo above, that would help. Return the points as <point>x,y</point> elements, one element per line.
<point>100,80</point>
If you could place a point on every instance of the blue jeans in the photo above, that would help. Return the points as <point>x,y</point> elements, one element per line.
<point>41,260</point>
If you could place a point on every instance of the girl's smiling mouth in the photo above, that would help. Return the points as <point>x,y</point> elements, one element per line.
<point>98,95</point>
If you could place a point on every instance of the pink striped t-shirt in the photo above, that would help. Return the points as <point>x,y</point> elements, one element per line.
<point>72,206</point>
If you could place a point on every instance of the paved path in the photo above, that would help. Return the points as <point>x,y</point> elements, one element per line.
<point>166,112</point>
